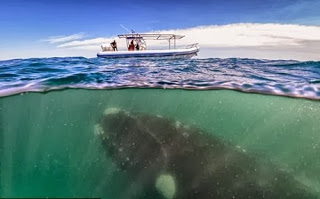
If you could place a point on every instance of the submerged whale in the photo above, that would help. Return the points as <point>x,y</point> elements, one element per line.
<point>177,161</point>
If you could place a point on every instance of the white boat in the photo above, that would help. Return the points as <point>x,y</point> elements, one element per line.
<point>141,50</point>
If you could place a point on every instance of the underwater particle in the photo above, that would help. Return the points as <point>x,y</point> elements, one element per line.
<point>166,186</point>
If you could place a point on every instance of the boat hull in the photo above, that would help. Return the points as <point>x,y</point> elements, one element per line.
<point>167,54</point>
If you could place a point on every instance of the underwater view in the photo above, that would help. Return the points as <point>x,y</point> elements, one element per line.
<point>198,128</point>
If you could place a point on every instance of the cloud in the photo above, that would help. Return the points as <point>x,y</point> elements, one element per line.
<point>247,35</point>
<point>61,39</point>
<point>233,35</point>
<point>270,41</point>
<point>84,43</point>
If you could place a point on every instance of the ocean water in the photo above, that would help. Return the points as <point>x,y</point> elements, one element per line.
<point>277,77</point>
<point>49,110</point>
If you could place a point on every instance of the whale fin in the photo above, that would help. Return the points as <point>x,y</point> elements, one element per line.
<point>165,184</point>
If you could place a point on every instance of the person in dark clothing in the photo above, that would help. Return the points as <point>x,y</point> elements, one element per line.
<point>114,45</point>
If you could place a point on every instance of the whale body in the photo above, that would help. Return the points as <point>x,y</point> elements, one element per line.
<point>180,162</point>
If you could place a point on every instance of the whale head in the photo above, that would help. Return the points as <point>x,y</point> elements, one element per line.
<point>130,143</point>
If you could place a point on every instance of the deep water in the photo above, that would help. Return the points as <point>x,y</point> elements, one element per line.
<point>49,149</point>
<point>51,109</point>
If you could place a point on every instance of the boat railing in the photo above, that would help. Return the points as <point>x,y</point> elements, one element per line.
<point>192,45</point>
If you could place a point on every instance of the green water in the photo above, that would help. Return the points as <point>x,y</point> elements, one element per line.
<point>48,148</point>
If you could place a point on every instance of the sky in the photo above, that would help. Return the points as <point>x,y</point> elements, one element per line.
<point>269,29</point>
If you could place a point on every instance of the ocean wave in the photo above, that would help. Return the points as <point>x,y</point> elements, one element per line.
<point>275,77</point>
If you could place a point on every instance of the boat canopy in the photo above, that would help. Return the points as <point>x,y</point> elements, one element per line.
<point>140,38</point>
<point>147,36</point>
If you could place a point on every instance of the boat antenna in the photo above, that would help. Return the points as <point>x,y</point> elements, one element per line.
<point>126,29</point>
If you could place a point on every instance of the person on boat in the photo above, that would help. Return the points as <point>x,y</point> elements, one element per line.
<point>131,46</point>
<point>137,46</point>
<point>114,45</point>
